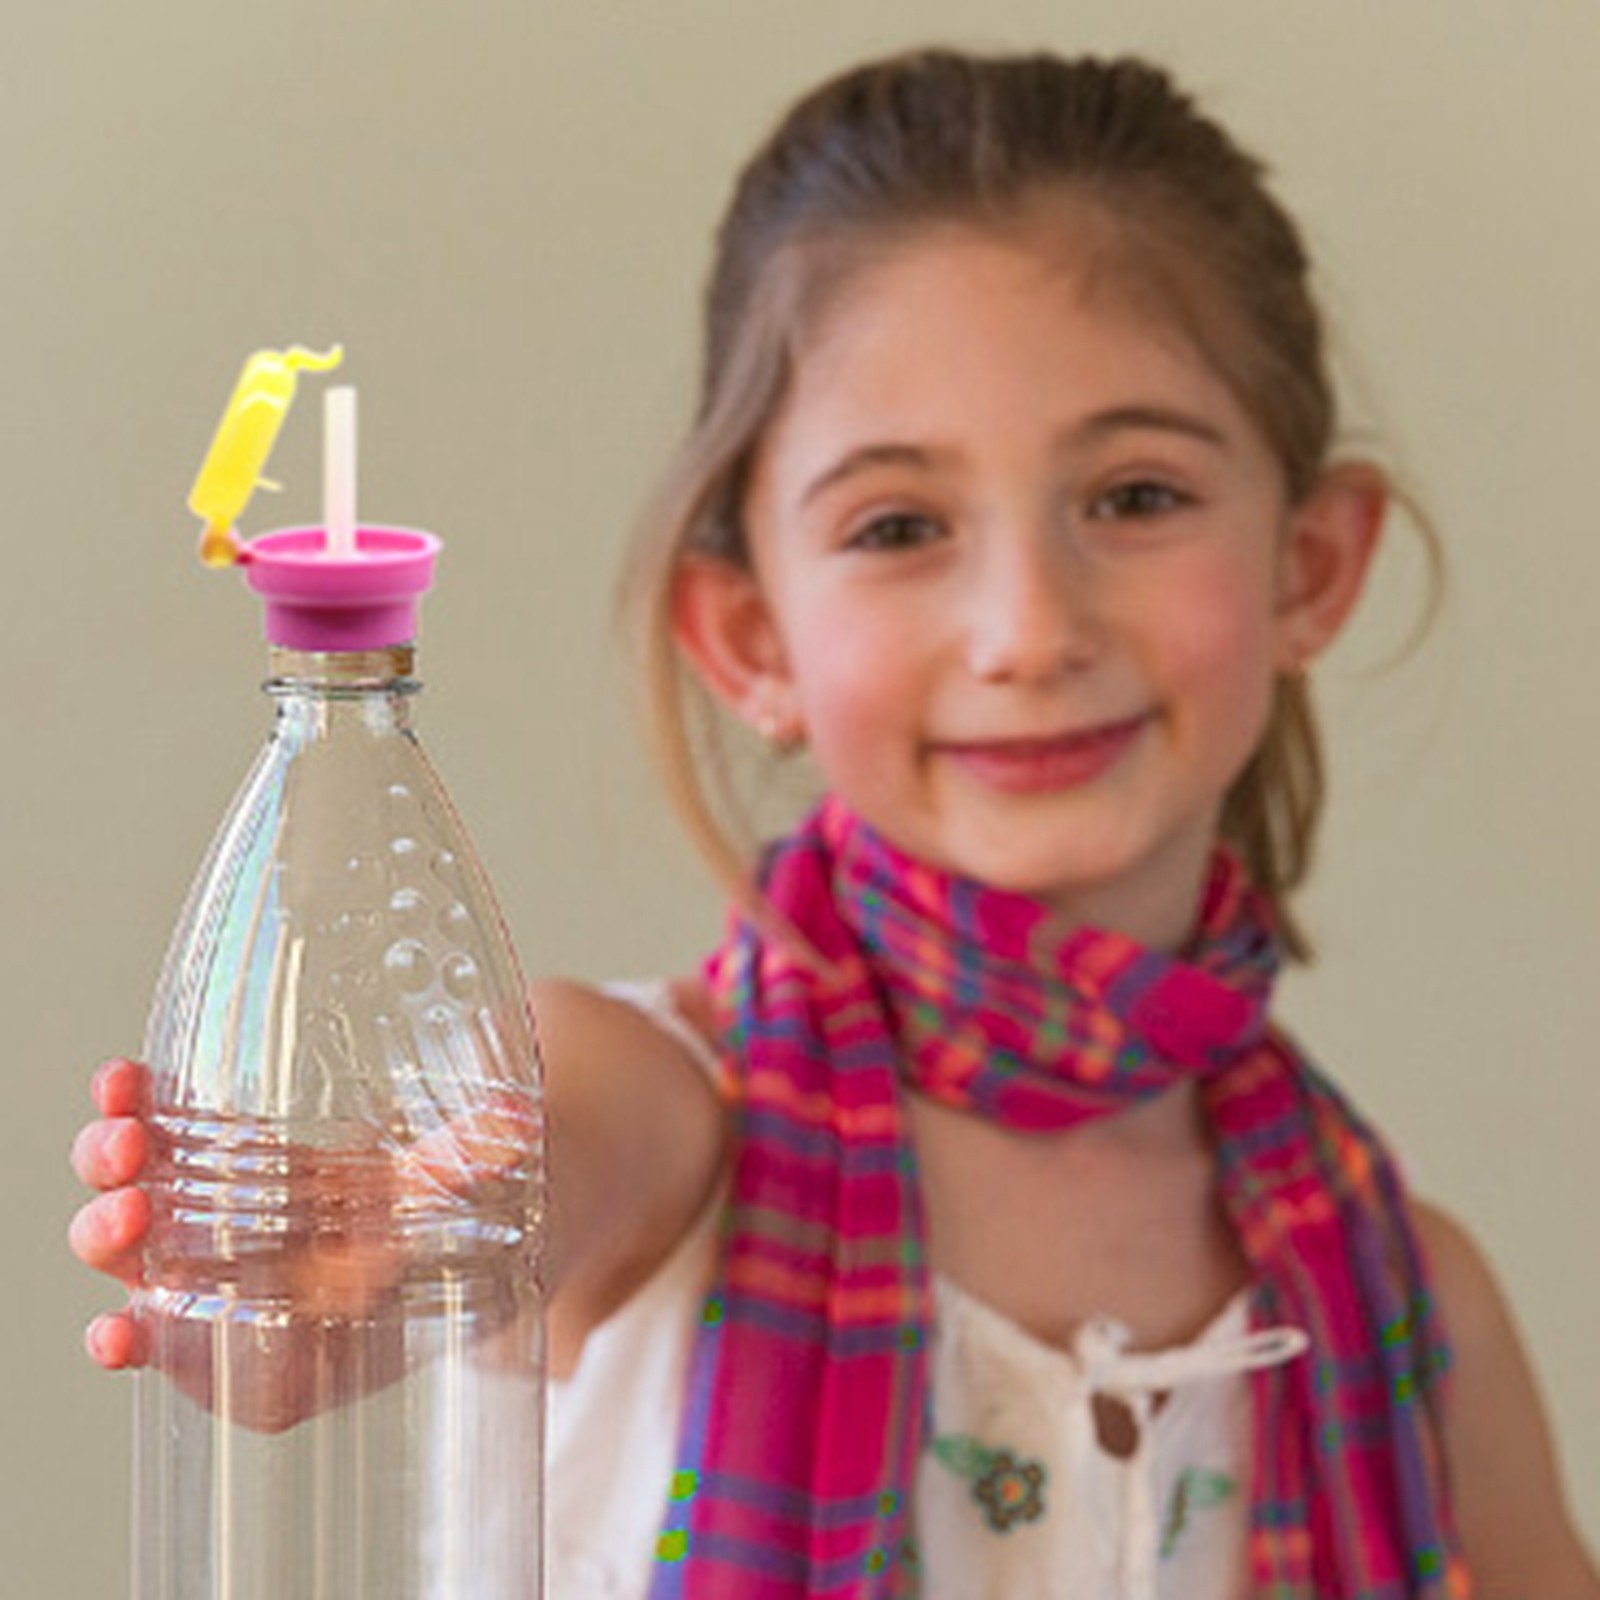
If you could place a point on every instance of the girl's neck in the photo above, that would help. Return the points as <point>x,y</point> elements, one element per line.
<point>1156,905</point>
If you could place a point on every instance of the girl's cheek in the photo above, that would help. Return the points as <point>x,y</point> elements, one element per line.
<point>1217,611</point>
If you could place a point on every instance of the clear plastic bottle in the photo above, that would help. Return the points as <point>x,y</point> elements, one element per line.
<point>343,1395</point>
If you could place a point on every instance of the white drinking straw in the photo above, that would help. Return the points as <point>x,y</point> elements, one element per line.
<point>339,472</point>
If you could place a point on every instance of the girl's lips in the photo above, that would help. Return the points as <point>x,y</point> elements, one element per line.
<point>1037,766</point>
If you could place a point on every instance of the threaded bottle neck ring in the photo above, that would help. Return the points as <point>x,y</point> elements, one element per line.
<point>342,672</point>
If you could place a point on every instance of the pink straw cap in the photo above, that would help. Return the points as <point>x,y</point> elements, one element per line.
<point>315,601</point>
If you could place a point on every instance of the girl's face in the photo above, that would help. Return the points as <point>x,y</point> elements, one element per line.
<point>1024,569</point>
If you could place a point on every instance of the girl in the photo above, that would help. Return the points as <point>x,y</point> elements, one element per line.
<point>1000,1245</point>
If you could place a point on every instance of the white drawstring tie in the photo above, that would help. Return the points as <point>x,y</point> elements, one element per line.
<point>1135,1379</point>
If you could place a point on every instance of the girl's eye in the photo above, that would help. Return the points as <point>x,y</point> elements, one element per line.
<point>1142,497</point>
<point>894,530</point>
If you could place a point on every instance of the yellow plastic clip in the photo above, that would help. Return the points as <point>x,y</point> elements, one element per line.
<point>244,440</point>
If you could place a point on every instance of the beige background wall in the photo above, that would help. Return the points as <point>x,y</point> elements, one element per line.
<point>503,210</point>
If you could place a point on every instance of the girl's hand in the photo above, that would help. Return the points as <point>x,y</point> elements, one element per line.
<point>337,1277</point>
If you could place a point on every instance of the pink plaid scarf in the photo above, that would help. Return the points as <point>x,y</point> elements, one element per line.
<point>807,1398</point>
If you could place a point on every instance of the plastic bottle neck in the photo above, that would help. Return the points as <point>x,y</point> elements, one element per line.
<point>316,690</point>
<point>351,672</point>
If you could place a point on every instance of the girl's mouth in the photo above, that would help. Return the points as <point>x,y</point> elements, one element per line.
<point>1038,766</point>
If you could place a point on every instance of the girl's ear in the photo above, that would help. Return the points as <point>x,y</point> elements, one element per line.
<point>724,625</point>
<point>1333,535</point>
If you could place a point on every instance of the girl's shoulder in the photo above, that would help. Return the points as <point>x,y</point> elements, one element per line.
<point>651,1026</point>
<point>1510,1508</point>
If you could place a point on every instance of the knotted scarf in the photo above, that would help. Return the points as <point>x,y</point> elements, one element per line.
<point>807,1398</point>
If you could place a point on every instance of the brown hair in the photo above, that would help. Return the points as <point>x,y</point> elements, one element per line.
<point>1178,217</point>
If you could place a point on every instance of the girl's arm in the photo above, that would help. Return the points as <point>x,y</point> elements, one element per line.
<point>1511,1511</point>
<point>636,1148</point>
<point>637,1145</point>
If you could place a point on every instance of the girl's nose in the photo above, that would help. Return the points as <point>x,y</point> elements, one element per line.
<point>1031,612</point>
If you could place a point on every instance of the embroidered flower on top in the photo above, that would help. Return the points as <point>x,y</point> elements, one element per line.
<point>1008,1488</point>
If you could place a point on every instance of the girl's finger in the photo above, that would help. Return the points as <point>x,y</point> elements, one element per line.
<point>108,1233</point>
<point>111,1152</point>
<point>116,1341</point>
<point>121,1088</point>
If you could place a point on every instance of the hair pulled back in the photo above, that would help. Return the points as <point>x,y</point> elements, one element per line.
<point>1166,210</point>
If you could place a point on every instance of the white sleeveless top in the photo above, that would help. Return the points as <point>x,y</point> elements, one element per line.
<point>1016,1497</point>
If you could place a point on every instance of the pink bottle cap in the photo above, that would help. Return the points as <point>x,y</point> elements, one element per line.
<point>315,601</point>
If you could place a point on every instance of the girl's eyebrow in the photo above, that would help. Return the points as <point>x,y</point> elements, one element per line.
<point>1164,419</point>
<point>875,455</point>
<point>1092,429</point>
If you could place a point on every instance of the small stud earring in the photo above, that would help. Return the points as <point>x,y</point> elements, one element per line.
<point>775,726</point>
